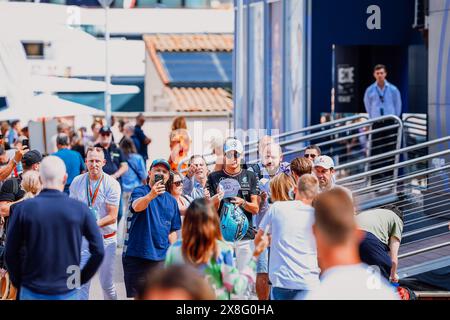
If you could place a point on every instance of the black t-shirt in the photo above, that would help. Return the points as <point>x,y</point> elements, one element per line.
<point>249,186</point>
<point>114,157</point>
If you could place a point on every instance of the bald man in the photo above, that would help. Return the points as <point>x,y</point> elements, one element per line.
<point>50,228</point>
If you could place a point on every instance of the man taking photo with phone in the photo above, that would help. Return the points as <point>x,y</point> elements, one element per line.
<point>152,227</point>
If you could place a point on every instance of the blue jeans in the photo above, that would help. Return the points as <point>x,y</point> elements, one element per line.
<point>287,294</point>
<point>26,294</point>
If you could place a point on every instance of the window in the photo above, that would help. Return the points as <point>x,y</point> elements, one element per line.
<point>34,50</point>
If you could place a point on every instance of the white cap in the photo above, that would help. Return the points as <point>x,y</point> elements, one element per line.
<point>233,145</point>
<point>324,162</point>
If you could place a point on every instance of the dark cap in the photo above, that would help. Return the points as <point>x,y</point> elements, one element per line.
<point>31,157</point>
<point>160,161</point>
<point>105,129</point>
<point>11,191</point>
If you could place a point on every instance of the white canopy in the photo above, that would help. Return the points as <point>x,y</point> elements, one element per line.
<point>47,106</point>
<point>59,84</point>
<point>73,85</point>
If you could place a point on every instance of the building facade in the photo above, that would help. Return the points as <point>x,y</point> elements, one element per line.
<point>296,60</point>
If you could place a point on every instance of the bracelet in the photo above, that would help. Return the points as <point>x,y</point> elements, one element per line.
<point>244,204</point>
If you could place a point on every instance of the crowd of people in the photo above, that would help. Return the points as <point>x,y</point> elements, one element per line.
<point>271,229</point>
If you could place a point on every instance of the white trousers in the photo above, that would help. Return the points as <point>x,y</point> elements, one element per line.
<point>106,270</point>
<point>243,251</point>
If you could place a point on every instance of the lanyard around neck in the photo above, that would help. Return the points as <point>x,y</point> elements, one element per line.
<point>92,195</point>
<point>379,91</point>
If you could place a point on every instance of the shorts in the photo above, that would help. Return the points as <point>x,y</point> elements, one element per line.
<point>262,264</point>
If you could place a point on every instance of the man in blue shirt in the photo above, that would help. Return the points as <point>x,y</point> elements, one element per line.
<point>152,227</point>
<point>381,99</point>
<point>144,141</point>
<point>72,159</point>
<point>43,247</point>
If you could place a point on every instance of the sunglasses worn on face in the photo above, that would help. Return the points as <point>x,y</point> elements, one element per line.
<point>312,156</point>
<point>234,154</point>
<point>178,183</point>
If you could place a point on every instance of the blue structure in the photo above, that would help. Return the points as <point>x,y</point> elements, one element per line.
<point>290,54</point>
<point>439,69</point>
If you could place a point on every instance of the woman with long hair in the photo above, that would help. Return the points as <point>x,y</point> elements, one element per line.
<point>282,188</point>
<point>203,247</point>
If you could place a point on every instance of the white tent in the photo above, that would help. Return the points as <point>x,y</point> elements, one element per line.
<point>59,84</point>
<point>47,106</point>
<point>72,85</point>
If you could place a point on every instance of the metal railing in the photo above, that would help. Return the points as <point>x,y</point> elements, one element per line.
<point>335,140</point>
<point>330,142</point>
<point>424,198</point>
<point>321,126</point>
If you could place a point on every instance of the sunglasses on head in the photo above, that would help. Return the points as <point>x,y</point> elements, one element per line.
<point>310,155</point>
<point>232,154</point>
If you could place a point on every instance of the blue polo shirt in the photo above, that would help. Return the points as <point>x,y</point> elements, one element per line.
<point>73,161</point>
<point>148,231</point>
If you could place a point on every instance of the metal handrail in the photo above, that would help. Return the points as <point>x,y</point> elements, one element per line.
<point>419,116</point>
<point>336,130</point>
<point>394,166</point>
<point>345,138</point>
<point>394,152</point>
<point>283,135</point>
<point>412,253</point>
<point>314,127</point>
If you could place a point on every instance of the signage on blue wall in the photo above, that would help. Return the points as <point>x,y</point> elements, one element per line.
<point>374,21</point>
<point>345,83</point>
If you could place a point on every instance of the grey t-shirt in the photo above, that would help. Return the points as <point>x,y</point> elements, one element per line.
<point>382,223</point>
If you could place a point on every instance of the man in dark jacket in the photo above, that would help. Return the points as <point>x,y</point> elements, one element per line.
<point>43,244</point>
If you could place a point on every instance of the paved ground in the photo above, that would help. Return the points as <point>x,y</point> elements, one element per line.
<point>96,292</point>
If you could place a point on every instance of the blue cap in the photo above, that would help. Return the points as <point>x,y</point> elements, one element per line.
<point>160,161</point>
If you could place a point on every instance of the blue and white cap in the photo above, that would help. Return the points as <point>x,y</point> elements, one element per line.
<point>233,145</point>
